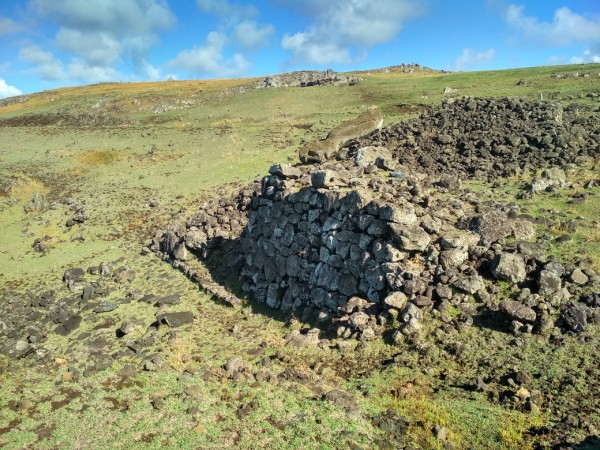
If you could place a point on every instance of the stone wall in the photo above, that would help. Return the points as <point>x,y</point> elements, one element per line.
<point>367,243</point>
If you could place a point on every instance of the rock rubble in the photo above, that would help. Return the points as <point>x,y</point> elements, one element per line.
<point>363,237</point>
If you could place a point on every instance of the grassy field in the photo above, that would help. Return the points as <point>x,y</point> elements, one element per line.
<point>117,148</point>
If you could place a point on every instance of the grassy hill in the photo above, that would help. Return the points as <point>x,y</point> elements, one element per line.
<point>133,155</point>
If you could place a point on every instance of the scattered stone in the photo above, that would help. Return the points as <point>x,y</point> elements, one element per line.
<point>309,339</point>
<point>578,277</point>
<point>131,326</point>
<point>176,319</point>
<point>574,317</point>
<point>106,306</point>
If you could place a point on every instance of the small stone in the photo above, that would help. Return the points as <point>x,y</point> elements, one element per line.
<point>396,300</point>
<point>322,179</point>
<point>176,319</point>
<point>106,306</point>
<point>200,429</point>
<point>285,171</point>
<point>518,310</point>
<point>440,432</point>
<point>578,277</point>
<point>125,276</point>
<point>67,376</point>
<point>523,393</point>
<point>575,317</point>
<point>131,325</point>
<point>234,364</point>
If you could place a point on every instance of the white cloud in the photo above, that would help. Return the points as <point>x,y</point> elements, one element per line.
<point>97,47</point>
<point>46,65</point>
<point>152,72</point>
<point>83,70</point>
<point>97,36</point>
<point>7,90</point>
<point>118,17</point>
<point>237,29</point>
<point>588,56</point>
<point>469,59</point>
<point>209,59</point>
<point>307,47</point>
<point>9,26</point>
<point>566,28</point>
<point>339,25</point>
<point>249,35</point>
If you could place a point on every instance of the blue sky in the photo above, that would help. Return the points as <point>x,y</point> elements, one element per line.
<point>46,44</point>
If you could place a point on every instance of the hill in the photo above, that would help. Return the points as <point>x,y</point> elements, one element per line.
<point>89,175</point>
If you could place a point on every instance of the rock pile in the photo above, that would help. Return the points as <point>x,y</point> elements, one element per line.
<point>491,138</point>
<point>367,243</point>
<point>307,78</point>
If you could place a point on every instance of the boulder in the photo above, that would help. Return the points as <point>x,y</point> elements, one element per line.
<point>517,310</point>
<point>403,214</point>
<point>396,300</point>
<point>285,171</point>
<point>409,238</point>
<point>550,278</point>
<point>175,319</point>
<point>509,267</point>
<point>322,179</point>
<point>574,317</point>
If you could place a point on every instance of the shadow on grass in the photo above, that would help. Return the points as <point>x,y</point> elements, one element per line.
<point>590,443</point>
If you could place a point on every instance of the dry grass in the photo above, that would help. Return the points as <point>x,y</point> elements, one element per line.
<point>414,402</point>
<point>514,429</point>
<point>100,157</point>
<point>180,347</point>
<point>24,187</point>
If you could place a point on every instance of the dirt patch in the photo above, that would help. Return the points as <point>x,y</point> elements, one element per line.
<point>20,186</point>
<point>116,404</point>
<point>70,395</point>
<point>12,424</point>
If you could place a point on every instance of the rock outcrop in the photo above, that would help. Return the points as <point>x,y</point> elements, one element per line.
<point>307,78</point>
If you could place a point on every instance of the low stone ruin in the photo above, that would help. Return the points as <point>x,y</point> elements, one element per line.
<point>381,236</point>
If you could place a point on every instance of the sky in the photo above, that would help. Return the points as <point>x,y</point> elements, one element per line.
<point>46,44</point>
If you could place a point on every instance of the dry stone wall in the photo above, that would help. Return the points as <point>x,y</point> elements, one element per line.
<point>370,241</point>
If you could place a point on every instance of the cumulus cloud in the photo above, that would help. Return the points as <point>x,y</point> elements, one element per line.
<point>97,36</point>
<point>469,59</point>
<point>306,47</point>
<point>566,28</point>
<point>251,36</point>
<point>9,26</point>
<point>46,65</point>
<point>209,59</point>
<point>339,25</point>
<point>7,90</point>
<point>238,20</point>
<point>221,55</point>
<point>588,56</point>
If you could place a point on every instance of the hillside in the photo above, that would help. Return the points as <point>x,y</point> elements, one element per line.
<point>91,177</point>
